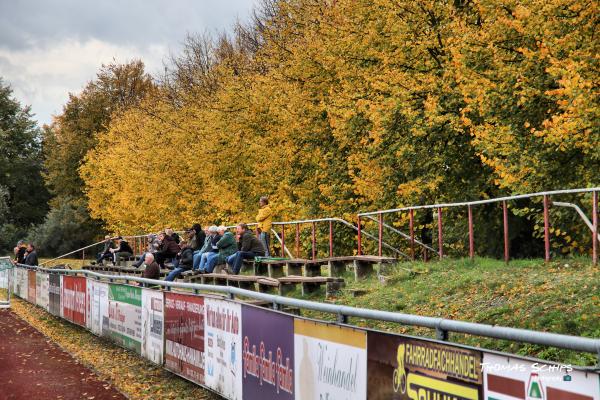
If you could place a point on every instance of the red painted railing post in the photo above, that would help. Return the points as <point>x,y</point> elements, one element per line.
<point>440,234</point>
<point>595,226</point>
<point>314,241</point>
<point>379,245</point>
<point>359,237</point>
<point>330,238</point>
<point>546,230</point>
<point>282,240</point>
<point>297,240</point>
<point>411,228</point>
<point>471,238</point>
<point>506,243</point>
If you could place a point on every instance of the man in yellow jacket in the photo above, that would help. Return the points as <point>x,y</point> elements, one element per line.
<point>265,220</point>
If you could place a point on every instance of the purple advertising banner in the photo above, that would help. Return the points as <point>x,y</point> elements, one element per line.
<point>401,367</point>
<point>268,354</point>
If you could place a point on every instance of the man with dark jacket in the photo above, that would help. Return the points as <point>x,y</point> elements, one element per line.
<point>168,249</point>
<point>123,250</point>
<point>151,268</point>
<point>186,258</point>
<point>248,247</point>
<point>31,257</point>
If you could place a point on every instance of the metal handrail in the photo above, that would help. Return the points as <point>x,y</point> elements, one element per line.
<point>404,235</point>
<point>577,343</point>
<point>582,215</point>
<point>478,202</point>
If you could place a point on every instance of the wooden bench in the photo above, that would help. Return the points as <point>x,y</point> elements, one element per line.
<point>362,265</point>
<point>311,284</point>
<point>247,282</point>
<point>266,284</point>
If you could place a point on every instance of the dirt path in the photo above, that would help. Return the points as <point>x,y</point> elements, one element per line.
<point>33,367</point>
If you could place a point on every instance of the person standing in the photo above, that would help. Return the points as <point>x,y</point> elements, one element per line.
<point>20,251</point>
<point>265,221</point>
<point>31,257</point>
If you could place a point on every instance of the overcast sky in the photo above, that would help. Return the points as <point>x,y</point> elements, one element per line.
<point>49,48</point>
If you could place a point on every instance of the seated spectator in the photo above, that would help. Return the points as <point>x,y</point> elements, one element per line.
<point>123,250</point>
<point>151,268</point>
<point>226,246</point>
<point>208,234</point>
<point>31,257</point>
<point>265,220</point>
<point>195,237</point>
<point>151,248</point>
<point>208,250</point>
<point>249,247</point>
<point>170,232</point>
<point>186,258</point>
<point>168,249</point>
<point>105,253</point>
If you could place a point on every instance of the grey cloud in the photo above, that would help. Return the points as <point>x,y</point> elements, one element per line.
<point>49,48</point>
<point>25,23</point>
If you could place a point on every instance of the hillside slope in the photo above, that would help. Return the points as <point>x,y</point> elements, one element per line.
<point>562,297</point>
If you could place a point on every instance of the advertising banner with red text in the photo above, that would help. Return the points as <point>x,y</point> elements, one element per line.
<point>512,378</point>
<point>184,336</point>
<point>268,354</point>
<point>73,298</point>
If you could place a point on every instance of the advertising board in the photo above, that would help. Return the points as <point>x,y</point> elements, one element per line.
<point>184,336</point>
<point>125,316</point>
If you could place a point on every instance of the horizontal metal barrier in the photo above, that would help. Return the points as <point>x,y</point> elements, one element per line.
<point>441,325</point>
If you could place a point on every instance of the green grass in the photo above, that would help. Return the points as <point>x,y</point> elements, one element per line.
<point>561,297</point>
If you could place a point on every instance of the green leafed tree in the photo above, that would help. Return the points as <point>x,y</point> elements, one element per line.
<point>23,196</point>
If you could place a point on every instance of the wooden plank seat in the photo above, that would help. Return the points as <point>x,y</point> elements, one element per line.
<point>274,268</point>
<point>247,282</point>
<point>310,284</point>
<point>266,284</point>
<point>362,265</point>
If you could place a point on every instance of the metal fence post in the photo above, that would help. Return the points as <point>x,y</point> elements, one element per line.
<point>297,240</point>
<point>471,238</point>
<point>546,231</point>
<point>505,220</point>
<point>282,240</point>
<point>379,246</point>
<point>359,237</point>
<point>595,230</point>
<point>314,241</point>
<point>440,234</point>
<point>330,238</point>
<point>411,227</point>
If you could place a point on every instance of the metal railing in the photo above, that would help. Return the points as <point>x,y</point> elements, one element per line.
<point>469,204</point>
<point>442,326</point>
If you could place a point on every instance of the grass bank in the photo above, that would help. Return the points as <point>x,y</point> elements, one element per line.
<point>562,296</point>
